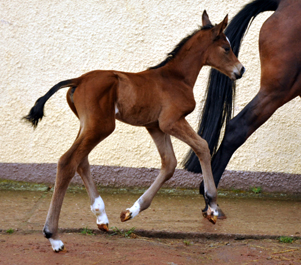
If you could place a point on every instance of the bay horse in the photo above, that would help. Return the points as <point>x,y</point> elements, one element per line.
<point>280,57</point>
<point>158,98</point>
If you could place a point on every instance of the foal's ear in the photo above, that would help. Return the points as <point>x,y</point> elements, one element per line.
<point>205,19</point>
<point>221,26</point>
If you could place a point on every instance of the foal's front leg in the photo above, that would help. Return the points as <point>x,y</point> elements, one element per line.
<point>183,131</point>
<point>169,164</point>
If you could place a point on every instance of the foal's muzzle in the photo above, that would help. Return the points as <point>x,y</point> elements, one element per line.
<point>239,75</point>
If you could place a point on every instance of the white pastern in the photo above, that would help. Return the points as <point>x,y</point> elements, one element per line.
<point>56,244</point>
<point>98,208</point>
<point>214,210</point>
<point>135,209</point>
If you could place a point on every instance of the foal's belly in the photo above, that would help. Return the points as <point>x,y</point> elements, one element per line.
<point>137,115</point>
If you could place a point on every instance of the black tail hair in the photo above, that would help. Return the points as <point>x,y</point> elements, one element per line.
<point>221,90</point>
<point>37,111</point>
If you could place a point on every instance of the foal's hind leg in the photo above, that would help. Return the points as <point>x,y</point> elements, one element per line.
<point>65,171</point>
<point>97,204</point>
<point>169,164</point>
<point>75,157</point>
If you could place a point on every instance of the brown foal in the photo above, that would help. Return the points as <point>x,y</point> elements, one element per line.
<point>158,99</point>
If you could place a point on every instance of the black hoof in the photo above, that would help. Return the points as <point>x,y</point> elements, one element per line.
<point>60,249</point>
<point>221,214</point>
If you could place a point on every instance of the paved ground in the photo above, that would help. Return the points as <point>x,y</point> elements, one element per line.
<point>253,228</point>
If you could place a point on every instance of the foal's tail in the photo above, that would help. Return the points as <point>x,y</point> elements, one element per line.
<point>37,111</point>
<point>220,90</point>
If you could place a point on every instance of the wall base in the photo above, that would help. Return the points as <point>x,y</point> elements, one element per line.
<point>118,177</point>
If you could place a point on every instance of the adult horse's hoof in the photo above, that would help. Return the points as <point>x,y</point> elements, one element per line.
<point>125,215</point>
<point>103,227</point>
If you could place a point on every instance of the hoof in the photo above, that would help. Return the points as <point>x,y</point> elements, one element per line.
<point>221,214</point>
<point>103,227</point>
<point>62,250</point>
<point>125,215</point>
<point>209,215</point>
<point>57,245</point>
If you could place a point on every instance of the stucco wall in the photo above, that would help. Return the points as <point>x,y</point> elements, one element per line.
<point>44,42</point>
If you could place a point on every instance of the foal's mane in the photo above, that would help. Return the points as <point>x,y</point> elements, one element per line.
<point>178,47</point>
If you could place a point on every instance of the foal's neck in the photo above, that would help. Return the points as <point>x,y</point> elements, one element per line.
<point>189,60</point>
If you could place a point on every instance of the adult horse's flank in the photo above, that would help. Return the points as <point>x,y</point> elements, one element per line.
<point>158,99</point>
<point>280,56</point>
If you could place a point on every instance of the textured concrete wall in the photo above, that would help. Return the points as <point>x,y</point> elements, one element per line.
<point>43,42</point>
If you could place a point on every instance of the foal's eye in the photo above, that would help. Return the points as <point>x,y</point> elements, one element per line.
<point>227,49</point>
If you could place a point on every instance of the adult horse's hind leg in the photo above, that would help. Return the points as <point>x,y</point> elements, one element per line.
<point>240,128</point>
<point>280,82</point>
<point>169,164</point>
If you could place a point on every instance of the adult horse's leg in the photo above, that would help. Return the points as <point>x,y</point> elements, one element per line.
<point>280,82</point>
<point>183,131</point>
<point>240,128</point>
<point>270,97</point>
<point>169,164</point>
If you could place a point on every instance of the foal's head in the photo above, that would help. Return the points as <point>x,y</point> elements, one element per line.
<point>219,54</point>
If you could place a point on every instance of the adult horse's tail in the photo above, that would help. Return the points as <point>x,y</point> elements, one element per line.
<point>37,111</point>
<point>220,91</point>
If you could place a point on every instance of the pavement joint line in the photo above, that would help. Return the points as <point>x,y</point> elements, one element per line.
<point>164,234</point>
<point>33,209</point>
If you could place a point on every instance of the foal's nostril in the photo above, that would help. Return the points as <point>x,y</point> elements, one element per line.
<point>237,76</point>
<point>242,71</point>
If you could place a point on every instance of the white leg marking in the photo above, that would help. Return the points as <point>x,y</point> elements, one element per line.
<point>98,208</point>
<point>116,109</point>
<point>56,244</point>
<point>135,209</point>
<point>215,211</point>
